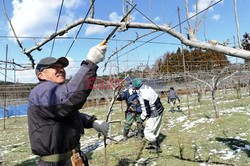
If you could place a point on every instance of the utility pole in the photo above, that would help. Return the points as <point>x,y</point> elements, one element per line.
<point>183,55</point>
<point>5,87</point>
<point>117,62</point>
<point>15,87</point>
<point>183,60</point>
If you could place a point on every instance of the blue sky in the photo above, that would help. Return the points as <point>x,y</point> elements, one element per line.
<point>38,18</point>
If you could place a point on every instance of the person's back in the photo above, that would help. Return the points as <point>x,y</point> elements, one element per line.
<point>152,112</point>
<point>151,99</point>
<point>172,94</point>
<point>173,99</point>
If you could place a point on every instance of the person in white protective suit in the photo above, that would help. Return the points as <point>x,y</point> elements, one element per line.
<point>152,112</point>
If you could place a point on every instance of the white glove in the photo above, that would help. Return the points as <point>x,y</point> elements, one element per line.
<point>143,117</point>
<point>97,53</point>
<point>101,126</point>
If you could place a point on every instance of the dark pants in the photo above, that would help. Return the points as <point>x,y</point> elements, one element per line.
<point>133,117</point>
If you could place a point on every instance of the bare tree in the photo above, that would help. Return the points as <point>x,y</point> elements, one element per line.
<point>199,89</point>
<point>213,84</point>
<point>189,40</point>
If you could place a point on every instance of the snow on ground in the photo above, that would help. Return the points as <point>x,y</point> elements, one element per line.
<point>225,154</point>
<point>188,124</point>
<point>234,110</point>
<point>247,147</point>
<point>142,161</point>
<point>204,164</point>
<point>173,122</point>
<point>186,108</point>
<point>90,144</point>
<point>227,101</point>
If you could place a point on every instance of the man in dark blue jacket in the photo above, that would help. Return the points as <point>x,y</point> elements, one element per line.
<point>54,121</point>
<point>132,112</point>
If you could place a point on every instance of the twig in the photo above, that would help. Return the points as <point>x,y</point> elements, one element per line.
<point>116,91</point>
<point>105,65</point>
<point>17,40</point>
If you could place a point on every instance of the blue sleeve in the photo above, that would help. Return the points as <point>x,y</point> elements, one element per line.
<point>87,120</point>
<point>123,96</point>
<point>58,100</point>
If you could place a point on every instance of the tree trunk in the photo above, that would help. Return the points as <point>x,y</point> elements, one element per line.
<point>238,89</point>
<point>199,97</point>
<point>214,103</point>
<point>248,87</point>
<point>225,89</point>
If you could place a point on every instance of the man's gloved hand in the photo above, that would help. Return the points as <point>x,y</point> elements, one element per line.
<point>143,117</point>
<point>101,126</point>
<point>97,53</point>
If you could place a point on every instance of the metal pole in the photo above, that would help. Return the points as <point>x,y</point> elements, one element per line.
<point>183,56</point>
<point>117,61</point>
<point>5,89</point>
<point>15,95</point>
<point>183,60</point>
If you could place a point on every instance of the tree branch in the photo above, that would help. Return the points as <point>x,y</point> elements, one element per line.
<point>17,40</point>
<point>200,81</point>
<point>166,29</point>
<point>137,38</point>
<point>187,14</point>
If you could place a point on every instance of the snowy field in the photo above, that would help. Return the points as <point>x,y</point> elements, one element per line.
<point>192,137</point>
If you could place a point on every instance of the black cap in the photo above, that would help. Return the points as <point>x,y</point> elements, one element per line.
<point>49,61</point>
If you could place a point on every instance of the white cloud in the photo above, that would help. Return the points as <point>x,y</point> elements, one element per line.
<point>191,14</point>
<point>26,76</point>
<point>29,76</point>
<point>156,19</point>
<point>114,16</point>
<point>39,17</point>
<point>202,4</point>
<point>95,29</point>
<point>72,68</point>
<point>216,17</point>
